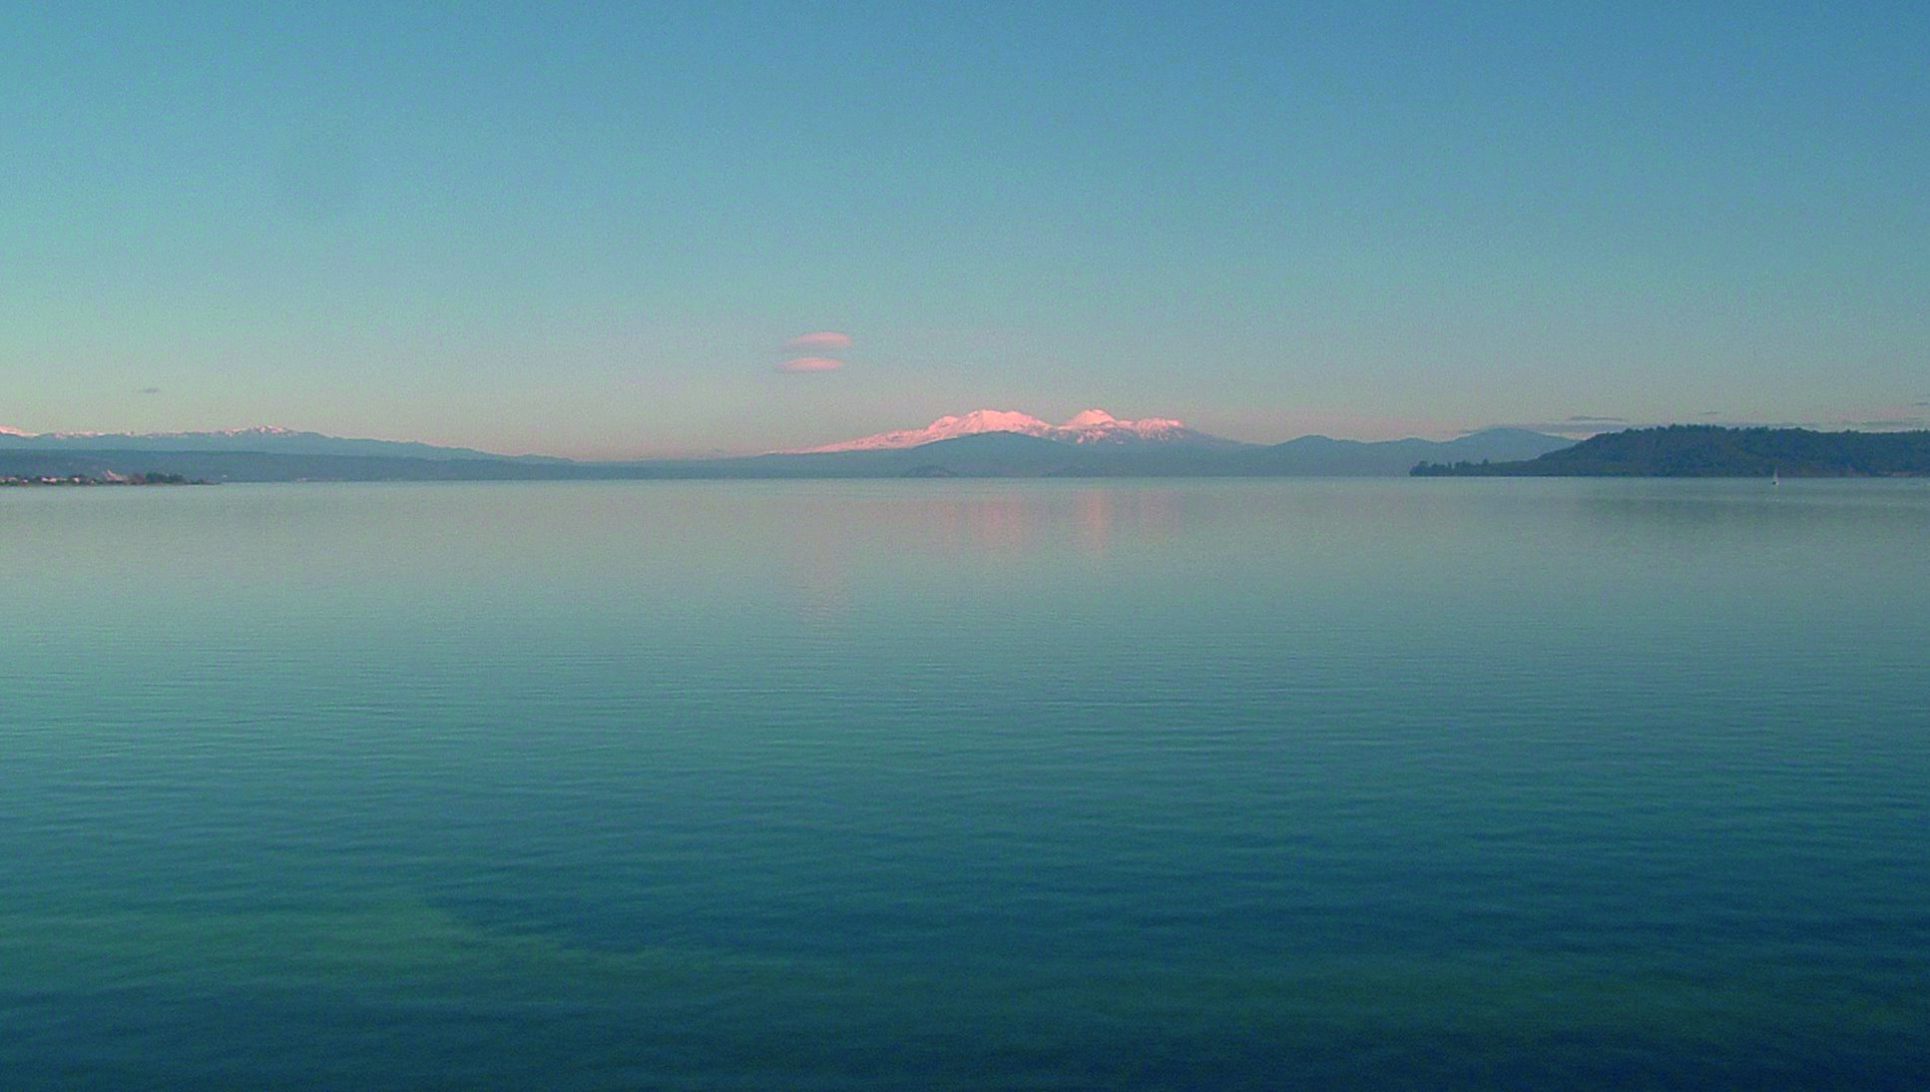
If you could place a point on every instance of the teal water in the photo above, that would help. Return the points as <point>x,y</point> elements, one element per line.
<point>1041,785</point>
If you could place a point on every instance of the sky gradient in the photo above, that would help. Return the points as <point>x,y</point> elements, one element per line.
<point>613,230</point>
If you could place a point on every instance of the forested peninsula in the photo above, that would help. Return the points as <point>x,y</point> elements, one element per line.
<point>1711,451</point>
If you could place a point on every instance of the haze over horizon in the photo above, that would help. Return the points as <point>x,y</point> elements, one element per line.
<point>622,232</point>
<point>1080,429</point>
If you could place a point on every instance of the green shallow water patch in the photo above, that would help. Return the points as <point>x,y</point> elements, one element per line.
<point>413,953</point>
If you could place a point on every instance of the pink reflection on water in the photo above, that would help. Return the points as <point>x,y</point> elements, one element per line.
<point>1131,515</point>
<point>972,524</point>
<point>998,526</point>
<point>1095,523</point>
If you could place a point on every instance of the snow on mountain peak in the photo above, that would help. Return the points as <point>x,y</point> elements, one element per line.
<point>1092,418</point>
<point>1089,426</point>
<point>1096,425</point>
<point>989,421</point>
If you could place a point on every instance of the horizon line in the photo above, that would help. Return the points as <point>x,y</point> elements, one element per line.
<point>1576,431</point>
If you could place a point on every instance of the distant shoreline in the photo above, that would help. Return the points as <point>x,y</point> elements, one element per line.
<point>85,481</point>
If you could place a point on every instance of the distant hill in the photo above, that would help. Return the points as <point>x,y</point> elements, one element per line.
<point>1324,456</point>
<point>1019,455</point>
<point>1095,443</point>
<point>1709,451</point>
<point>262,440</point>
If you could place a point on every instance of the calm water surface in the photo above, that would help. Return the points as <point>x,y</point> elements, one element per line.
<point>1044,785</point>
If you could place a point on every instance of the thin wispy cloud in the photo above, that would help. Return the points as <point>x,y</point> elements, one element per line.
<point>821,341</point>
<point>1585,426</point>
<point>1885,424</point>
<point>1569,426</point>
<point>149,390</point>
<point>804,365</point>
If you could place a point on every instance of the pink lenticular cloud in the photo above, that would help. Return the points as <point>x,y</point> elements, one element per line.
<point>806,364</point>
<point>821,341</point>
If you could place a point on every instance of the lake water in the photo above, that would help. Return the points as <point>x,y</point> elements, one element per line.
<point>1040,785</point>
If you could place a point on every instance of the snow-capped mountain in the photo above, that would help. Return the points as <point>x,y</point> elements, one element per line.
<point>1093,426</point>
<point>263,431</point>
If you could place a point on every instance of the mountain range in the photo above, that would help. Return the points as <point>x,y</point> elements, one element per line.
<point>263,439</point>
<point>984,443</point>
<point>1094,426</point>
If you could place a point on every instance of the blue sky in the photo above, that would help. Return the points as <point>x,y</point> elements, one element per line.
<point>592,230</point>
